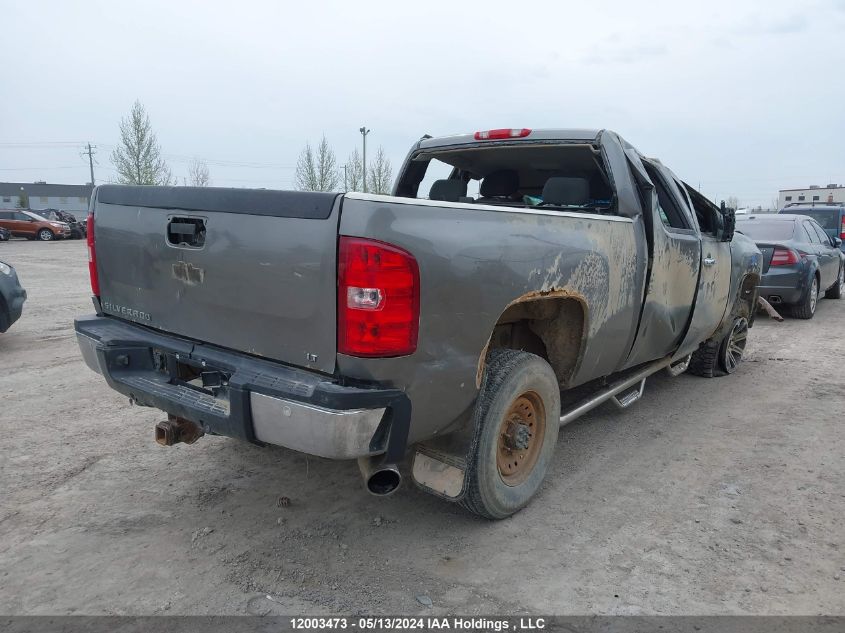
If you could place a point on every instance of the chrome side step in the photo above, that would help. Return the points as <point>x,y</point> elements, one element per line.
<point>612,391</point>
<point>626,400</point>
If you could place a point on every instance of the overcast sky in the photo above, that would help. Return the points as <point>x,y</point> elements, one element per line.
<point>742,97</point>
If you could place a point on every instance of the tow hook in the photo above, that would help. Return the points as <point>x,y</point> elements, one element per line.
<point>174,430</point>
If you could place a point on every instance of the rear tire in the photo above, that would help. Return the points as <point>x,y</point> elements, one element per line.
<point>838,288</point>
<point>46,235</point>
<point>704,359</point>
<point>517,419</point>
<point>807,308</point>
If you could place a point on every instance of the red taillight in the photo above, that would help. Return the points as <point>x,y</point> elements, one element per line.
<point>378,299</point>
<point>784,257</point>
<point>92,256</point>
<point>492,135</point>
<point>842,229</point>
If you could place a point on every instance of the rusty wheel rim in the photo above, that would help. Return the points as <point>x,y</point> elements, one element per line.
<point>521,438</point>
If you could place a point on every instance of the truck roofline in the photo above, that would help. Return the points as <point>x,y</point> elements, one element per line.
<point>542,134</point>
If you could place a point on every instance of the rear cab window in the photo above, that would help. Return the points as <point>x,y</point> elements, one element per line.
<point>560,175</point>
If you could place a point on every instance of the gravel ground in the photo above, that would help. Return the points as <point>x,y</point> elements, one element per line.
<point>708,496</point>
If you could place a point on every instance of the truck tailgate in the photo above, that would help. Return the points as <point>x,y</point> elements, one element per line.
<point>250,270</point>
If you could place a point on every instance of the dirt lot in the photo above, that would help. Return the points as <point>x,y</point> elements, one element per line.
<point>709,496</point>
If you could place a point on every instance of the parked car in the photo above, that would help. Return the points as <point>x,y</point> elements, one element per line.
<point>5,234</point>
<point>12,296</point>
<point>359,326</point>
<point>829,215</point>
<point>30,225</point>
<point>800,261</point>
<point>77,229</point>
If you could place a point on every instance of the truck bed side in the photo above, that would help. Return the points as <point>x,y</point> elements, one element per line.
<point>477,260</point>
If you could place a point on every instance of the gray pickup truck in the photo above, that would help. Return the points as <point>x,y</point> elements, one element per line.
<point>516,279</point>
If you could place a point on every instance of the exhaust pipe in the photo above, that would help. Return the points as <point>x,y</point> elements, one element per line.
<point>380,478</point>
<point>174,430</point>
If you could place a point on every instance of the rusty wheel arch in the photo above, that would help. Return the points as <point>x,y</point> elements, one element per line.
<point>557,318</point>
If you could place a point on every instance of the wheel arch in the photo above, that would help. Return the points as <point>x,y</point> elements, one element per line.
<point>551,324</point>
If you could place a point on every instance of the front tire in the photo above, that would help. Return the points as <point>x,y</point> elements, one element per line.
<point>807,308</point>
<point>46,235</point>
<point>838,289</point>
<point>717,357</point>
<point>733,346</point>
<point>517,419</point>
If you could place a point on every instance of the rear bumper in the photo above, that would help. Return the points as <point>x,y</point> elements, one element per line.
<point>261,402</point>
<point>783,284</point>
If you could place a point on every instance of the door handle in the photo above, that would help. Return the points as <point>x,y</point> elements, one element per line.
<point>709,261</point>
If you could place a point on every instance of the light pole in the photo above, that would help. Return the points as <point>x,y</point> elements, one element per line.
<point>364,131</point>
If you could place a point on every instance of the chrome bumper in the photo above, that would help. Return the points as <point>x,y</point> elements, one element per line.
<point>314,430</point>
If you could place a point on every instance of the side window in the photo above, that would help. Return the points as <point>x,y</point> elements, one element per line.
<point>820,232</point>
<point>706,213</point>
<point>6,215</point>
<point>21,216</point>
<point>811,234</point>
<point>667,206</point>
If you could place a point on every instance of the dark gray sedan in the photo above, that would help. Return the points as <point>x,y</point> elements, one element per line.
<point>12,296</point>
<point>800,261</point>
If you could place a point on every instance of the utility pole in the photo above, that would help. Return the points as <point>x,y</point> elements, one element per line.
<point>90,153</point>
<point>345,185</point>
<point>364,131</point>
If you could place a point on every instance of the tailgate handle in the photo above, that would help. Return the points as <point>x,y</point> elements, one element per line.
<point>186,232</point>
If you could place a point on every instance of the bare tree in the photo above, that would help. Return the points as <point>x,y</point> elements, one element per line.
<point>328,177</point>
<point>317,171</point>
<point>138,159</point>
<point>306,172</point>
<point>198,174</point>
<point>354,172</point>
<point>732,202</point>
<point>380,174</point>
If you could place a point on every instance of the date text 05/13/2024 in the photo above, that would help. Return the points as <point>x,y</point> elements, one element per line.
<point>496,625</point>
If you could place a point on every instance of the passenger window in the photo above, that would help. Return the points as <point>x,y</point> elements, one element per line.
<point>822,235</point>
<point>667,207</point>
<point>707,214</point>
<point>810,233</point>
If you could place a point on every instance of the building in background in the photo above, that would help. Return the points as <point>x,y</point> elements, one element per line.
<point>813,193</point>
<point>41,195</point>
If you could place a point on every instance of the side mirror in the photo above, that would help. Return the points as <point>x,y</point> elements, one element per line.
<point>728,224</point>
<point>837,242</point>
